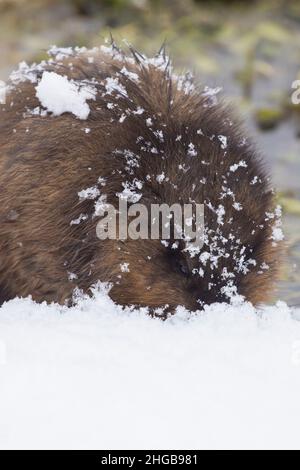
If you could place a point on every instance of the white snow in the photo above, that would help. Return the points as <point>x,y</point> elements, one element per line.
<point>89,193</point>
<point>3,92</point>
<point>211,95</point>
<point>220,211</point>
<point>277,234</point>
<point>26,72</point>
<point>122,118</point>
<point>94,376</point>
<point>160,178</point>
<point>223,139</point>
<point>131,75</point>
<point>80,219</point>
<point>129,192</point>
<point>237,206</point>
<point>192,152</point>
<point>124,267</point>
<point>112,85</point>
<point>60,52</point>
<point>240,164</point>
<point>139,110</point>
<point>59,95</point>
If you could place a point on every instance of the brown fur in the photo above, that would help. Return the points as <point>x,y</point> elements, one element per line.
<point>45,161</point>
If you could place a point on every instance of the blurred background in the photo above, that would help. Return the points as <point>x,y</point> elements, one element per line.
<point>251,49</point>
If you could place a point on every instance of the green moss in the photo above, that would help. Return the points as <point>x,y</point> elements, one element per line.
<point>289,204</point>
<point>268,118</point>
<point>292,10</point>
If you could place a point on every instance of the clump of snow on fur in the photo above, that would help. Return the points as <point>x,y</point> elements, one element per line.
<point>89,193</point>
<point>185,83</point>
<point>72,276</point>
<point>139,110</point>
<point>149,122</point>
<point>220,211</point>
<point>81,218</point>
<point>124,267</point>
<point>237,206</point>
<point>100,205</point>
<point>160,178</point>
<point>114,53</point>
<point>131,75</point>
<point>277,233</point>
<point>59,53</point>
<point>211,96</point>
<point>112,85</point>
<point>223,139</point>
<point>3,92</point>
<point>192,152</point>
<point>241,164</point>
<point>26,72</point>
<point>254,180</point>
<point>59,95</point>
<point>130,191</point>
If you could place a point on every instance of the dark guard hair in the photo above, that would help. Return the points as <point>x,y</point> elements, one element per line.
<point>143,122</point>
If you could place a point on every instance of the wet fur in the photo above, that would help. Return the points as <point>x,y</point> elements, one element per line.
<point>45,161</point>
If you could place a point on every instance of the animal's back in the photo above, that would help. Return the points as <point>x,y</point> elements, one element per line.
<point>151,137</point>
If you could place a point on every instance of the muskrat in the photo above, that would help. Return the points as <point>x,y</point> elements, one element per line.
<point>138,120</point>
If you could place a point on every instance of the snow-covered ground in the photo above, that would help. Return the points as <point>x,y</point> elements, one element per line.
<point>94,376</point>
